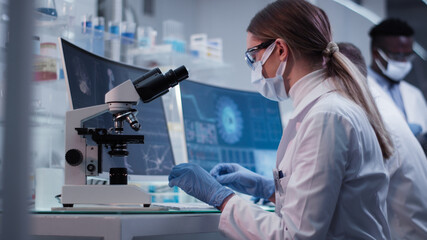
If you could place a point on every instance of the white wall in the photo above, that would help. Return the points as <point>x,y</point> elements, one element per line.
<point>349,26</point>
<point>377,6</point>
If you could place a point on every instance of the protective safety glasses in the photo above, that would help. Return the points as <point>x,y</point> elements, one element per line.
<point>250,54</point>
<point>400,57</point>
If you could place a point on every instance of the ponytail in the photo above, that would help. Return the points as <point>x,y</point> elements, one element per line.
<point>351,83</point>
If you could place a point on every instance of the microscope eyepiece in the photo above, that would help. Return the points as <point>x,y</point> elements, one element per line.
<point>154,84</point>
<point>151,73</point>
<point>176,76</point>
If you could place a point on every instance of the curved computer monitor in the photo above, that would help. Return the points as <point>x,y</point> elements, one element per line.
<point>89,77</point>
<point>225,125</point>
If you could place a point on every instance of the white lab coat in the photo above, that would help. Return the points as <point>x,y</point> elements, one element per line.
<point>407,195</point>
<point>415,104</point>
<point>334,183</point>
<point>413,101</point>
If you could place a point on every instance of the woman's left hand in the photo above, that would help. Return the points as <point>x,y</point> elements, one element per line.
<point>198,183</point>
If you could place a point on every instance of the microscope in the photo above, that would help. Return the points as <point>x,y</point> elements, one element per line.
<point>83,153</point>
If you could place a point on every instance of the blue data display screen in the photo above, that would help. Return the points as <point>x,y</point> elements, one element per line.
<point>224,125</point>
<point>90,77</point>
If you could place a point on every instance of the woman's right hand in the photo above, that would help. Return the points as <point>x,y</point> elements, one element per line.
<point>243,180</point>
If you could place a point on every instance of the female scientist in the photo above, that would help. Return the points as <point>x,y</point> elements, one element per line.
<point>330,180</point>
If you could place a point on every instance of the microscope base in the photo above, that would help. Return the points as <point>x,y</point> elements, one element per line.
<point>104,194</point>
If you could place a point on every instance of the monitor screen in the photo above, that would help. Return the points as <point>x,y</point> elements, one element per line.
<point>89,77</point>
<point>224,125</point>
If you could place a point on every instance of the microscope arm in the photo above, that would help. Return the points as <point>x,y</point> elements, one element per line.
<point>76,118</point>
<point>120,99</point>
<point>76,174</point>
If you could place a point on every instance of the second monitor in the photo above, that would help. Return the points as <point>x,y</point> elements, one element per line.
<point>225,125</point>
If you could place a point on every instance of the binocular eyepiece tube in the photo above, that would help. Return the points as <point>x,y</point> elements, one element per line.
<point>154,84</point>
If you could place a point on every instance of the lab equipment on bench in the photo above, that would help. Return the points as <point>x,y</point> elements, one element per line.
<point>84,145</point>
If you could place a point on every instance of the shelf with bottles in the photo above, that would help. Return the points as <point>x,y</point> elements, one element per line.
<point>46,68</point>
<point>198,65</point>
<point>138,49</point>
<point>49,97</point>
<point>49,83</point>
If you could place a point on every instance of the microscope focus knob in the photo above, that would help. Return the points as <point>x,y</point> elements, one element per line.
<point>74,157</point>
<point>91,168</point>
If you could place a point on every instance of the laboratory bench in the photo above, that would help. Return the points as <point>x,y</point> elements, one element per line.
<point>125,225</point>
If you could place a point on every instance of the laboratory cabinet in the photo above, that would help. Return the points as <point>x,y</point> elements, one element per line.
<point>170,224</point>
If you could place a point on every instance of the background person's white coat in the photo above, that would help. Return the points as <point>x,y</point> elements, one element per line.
<point>415,104</point>
<point>407,194</point>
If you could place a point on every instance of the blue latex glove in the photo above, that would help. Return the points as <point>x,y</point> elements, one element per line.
<point>243,180</point>
<point>196,182</point>
<point>416,129</point>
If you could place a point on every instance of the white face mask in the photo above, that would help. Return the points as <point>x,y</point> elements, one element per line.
<point>396,70</point>
<point>271,88</point>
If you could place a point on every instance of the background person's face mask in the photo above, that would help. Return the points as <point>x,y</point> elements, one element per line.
<point>271,88</point>
<point>396,70</point>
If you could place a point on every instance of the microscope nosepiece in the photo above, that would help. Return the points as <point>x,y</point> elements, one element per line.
<point>133,122</point>
<point>135,126</point>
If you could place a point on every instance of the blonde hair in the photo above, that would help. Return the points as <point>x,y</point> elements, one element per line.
<point>307,32</point>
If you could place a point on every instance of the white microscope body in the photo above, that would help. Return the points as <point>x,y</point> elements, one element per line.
<point>84,145</point>
<point>82,158</point>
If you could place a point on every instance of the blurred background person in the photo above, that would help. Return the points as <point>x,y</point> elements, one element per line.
<point>406,199</point>
<point>392,55</point>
